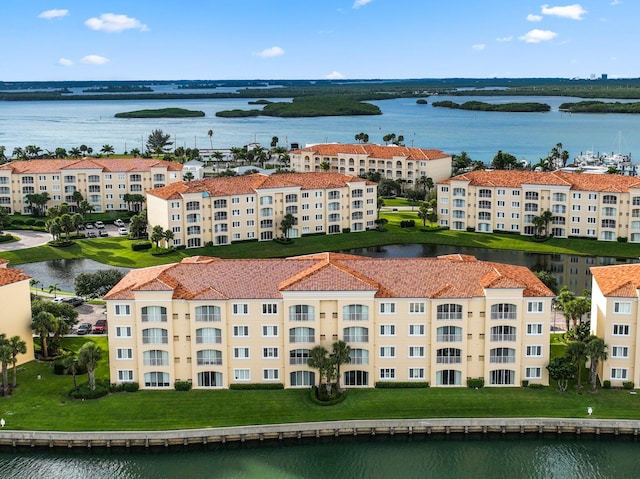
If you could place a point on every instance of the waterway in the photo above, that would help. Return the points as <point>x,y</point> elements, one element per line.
<point>486,457</point>
<point>528,136</point>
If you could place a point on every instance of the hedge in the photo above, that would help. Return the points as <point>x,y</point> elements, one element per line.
<point>141,246</point>
<point>401,385</point>
<point>238,386</point>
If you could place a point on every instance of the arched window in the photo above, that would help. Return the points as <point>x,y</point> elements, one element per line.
<point>155,336</point>
<point>156,379</point>
<point>155,357</point>
<point>207,313</point>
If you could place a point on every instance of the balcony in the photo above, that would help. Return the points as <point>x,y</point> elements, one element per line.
<point>449,338</point>
<point>448,359</point>
<point>502,359</point>
<point>501,338</point>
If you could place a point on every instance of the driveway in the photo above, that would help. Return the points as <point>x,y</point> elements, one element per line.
<point>28,239</point>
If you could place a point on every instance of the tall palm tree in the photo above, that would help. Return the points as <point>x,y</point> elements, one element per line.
<point>67,225</point>
<point>89,356</point>
<point>107,150</point>
<point>596,351</point>
<point>576,352</point>
<point>318,360</point>
<point>5,359</point>
<point>210,133</point>
<point>42,324</point>
<point>168,236</point>
<point>340,355</point>
<point>18,346</point>
<point>53,289</point>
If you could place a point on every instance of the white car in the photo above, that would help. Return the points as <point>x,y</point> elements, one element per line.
<point>99,225</point>
<point>119,223</point>
<point>123,231</point>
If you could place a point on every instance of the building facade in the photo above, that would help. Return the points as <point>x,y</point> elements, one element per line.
<point>391,162</point>
<point>615,310</point>
<point>218,322</point>
<point>103,182</point>
<point>15,298</point>
<point>603,207</point>
<point>249,208</point>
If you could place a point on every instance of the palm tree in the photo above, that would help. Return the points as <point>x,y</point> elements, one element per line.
<point>70,363</point>
<point>218,156</point>
<point>188,176</point>
<point>53,289</point>
<point>34,284</point>
<point>42,324</point>
<point>107,150</point>
<point>67,225</point>
<point>138,224</point>
<point>596,351</point>
<point>210,133</point>
<point>576,352</point>
<point>5,359</point>
<point>75,152</point>
<point>546,216</point>
<point>89,356</point>
<point>287,222</point>
<point>168,236</point>
<point>340,355</point>
<point>318,360</point>
<point>157,233</point>
<point>18,346</point>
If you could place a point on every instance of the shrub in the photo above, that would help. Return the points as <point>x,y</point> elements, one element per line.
<point>5,237</point>
<point>336,398</point>
<point>181,247</point>
<point>401,385</point>
<point>182,386</point>
<point>407,223</point>
<point>525,383</point>
<point>141,246</point>
<point>83,391</point>
<point>346,230</point>
<point>628,384</point>
<point>475,383</point>
<point>536,386</point>
<point>58,368</point>
<point>255,386</point>
<point>208,244</point>
<point>130,387</point>
<point>17,222</point>
<point>622,239</point>
<point>30,222</point>
<point>471,229</point>
<point>39,223</point>
<point>606,384</point>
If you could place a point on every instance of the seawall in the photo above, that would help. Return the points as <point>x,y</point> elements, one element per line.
<point>186,437</point>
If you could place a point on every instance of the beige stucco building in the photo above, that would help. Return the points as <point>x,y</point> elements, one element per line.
<point>615,310</point>
<point>15,298</point>
<point>251,208</point>
<point>603,207</point>
<point>217,322</point>
<point>103,182</point>
<point>392,162</point>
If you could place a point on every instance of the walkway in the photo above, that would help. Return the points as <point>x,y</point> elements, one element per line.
<point>28,239</point>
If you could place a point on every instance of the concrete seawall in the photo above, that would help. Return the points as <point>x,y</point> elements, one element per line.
<point>185,437</point>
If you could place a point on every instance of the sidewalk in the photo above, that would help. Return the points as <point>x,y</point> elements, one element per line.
<point>28,239</point>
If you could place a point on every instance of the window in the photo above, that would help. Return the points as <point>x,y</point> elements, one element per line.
<point>621,330</point>
<point>619,352</point>
<point>619,373</point>
<point>448,377</point>
<point>416,330</point>
<point>207,313</point>
<point>534,306</point>
<point>155,357</point>
<point>387,351</point>
<point>155,336</point>
<point>240,331</point>
<point>125,375</point>
<point>387,308</point>
<point>387,330</point>
<point>124,353</point>
<point>270,353</point>
<point>270,331</point>
<point>242,374</point>
<point>359,356</point>
<point>241,353</point>
<point>449,334</point>
<point>387,373</point>
<point>503,333</point>
<point>533,373</point>
<point>302,335</point>
<point>416,373</point>
<point>502,377</point>
<point>269,308</point>
<point>534,351</point>
<point>123,331</point>
<point>240,309</point>
<point>302,378</point>
<point>355,312</point>
<point>123,310</point>
<point>502,355</point>
<point>156,379</point>
<point>266,200</point>
<point>208,336</point>
<point>270,374</point>
<point>503,311</point>
<point>534,329</point>
<point>449,311</point>
<point>416,351</point>
<point>356,335</point>
<point>154,314</point>
<point>622,307</point>
<point>209,357</point>
<point>301,312</point>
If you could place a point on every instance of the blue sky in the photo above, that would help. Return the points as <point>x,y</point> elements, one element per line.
<point>313,39</point>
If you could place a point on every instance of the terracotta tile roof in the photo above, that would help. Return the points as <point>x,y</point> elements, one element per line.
<point>574,181</point>
<point>10,276</point>
<point>205,278</point>
<point>618,281</point>
<point>373,151</point>
<point>250,184</point>
<point>103,164</point>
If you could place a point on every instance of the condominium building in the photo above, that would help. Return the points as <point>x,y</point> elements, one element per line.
<point>615,313</point>
<point>218,322</point>
<point>220,211</point>
<point>103,182</point>
<point>391,162</point>
<point>603,207</point>
<point>15,298</point>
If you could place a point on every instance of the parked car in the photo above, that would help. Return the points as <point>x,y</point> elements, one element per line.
<point>59,299</point>
<point>123,231</point>
<point>100,327</point>
<point>119,223</point>
<point>73,300</point>
<point>89,226</point>
<point>103,233</point>
<point>80,227</point>
<point>92,234</point>
<point>99,225</point>
<point>84,328</point>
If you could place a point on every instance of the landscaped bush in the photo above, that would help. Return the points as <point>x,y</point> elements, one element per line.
<point>407,223</point>
<point>5,237</point>
<point>17,222</point>
<point>182,246</point>
<point>256,386</point>
<point>182,386</point>
<point>83,391</point>
<point>141,246</point>
<point>606,384</point>
<point>628,384</point>
<point>536,386</point>
<point>283,240</point>
<point>622,239</point>
<point>346,230</point>
<point>401,385</point>
<point>525,383</point>
<point>30,222</point>
<point>320,398</point>
<point>39,223</point>
<point>475,383</point>
<point>130,387</point>
<point>471,229</point>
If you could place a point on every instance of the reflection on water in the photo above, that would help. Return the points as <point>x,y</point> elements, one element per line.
<point>568,269</point>
<point>403,457</point>
<point>62,272</point>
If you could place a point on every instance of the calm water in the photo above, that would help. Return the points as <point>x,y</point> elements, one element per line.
<point>382,457</point>
<point>528,136</point>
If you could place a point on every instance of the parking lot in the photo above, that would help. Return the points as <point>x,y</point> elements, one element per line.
<point>90,313</point>
<point>104,230</point>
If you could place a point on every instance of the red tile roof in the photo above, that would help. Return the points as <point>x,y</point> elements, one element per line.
<point>621,281</point>
<point>395,277</point>
<point>102,164</point>
<point>10,276</point>
<point>574,181</point>
<point>250,184</point>
<point>386,152</point>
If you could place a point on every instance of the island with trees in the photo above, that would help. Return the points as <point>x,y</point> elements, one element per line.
<point>161,113</point>
<point>600,107</point>
<point>503,107</point>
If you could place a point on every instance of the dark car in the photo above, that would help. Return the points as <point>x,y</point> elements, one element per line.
<point>84,328</point>
<point>100,326</point>
<point>73,300</point>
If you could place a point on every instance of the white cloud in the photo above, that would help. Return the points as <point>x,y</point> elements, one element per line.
<point>478,47</point>
<point>334,75</point>
<point>110,22</point>
<point>574,12</point>
<point>49,14</point>
<point>537,36</point>
<point>534,18</point>
<point>504,39</point>
<point>361,3</point>
<point>65,62</point>
<point>271,52</point>
<point>94,60</point>
<point>616,2</point>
